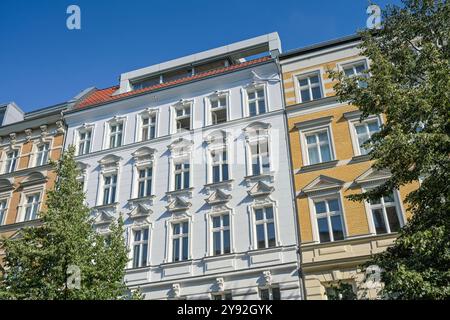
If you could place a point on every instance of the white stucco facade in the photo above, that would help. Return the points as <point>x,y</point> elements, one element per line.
<point>241,194</point>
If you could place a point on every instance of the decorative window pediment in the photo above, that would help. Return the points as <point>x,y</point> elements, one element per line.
<point>178,204</point>
<point>218,197</point>
<point>140,211</point>
<point>256,130</point>
<point>323,183</point>
<point>218,137</point>
<point>180,146</point>
<point>82,167</point>
<point>144,155</point>
<point>104,215</point>
<point>372,176</point>
<point>110,162</point>
<point>6,185</point>
<point>260,189</point>
<point>33,179</point>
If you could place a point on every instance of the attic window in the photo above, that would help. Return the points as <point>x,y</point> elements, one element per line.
<point>146,83</point>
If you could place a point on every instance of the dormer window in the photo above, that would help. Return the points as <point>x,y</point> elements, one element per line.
<point>183,117</point>
<point>115,134</point>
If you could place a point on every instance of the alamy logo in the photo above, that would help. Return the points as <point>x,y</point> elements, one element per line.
<point>74,278</point>
<point>73,22</point>
<point>374,20</point>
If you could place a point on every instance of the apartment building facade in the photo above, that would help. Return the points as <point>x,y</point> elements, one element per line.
<point>329,163</point>
<point>28,141</point>
<point>192,153</point>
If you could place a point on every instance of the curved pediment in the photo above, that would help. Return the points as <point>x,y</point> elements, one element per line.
<point>257,125</point>
<point>110,158</point>
<point>6,185</point>
<point>217,137</point>
<point>33,177</point>
<point>144,152</point>
<point>180,143</point>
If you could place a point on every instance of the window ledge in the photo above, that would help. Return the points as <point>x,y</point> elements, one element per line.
<point>318,166</point>
<point>107,206</point>
<point>258,177</point>
<point>220,184</point>
<point>360,158</point>
<point>180,192</point>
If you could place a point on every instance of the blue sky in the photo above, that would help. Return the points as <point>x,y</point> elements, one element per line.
<point>43,63</point>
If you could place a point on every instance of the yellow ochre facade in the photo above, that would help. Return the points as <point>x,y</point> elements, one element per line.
<point>336,235</point>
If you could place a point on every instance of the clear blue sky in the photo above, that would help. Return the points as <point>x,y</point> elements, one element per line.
<point>43,63</point>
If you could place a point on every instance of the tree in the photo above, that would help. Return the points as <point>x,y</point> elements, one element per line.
<point>410,84</point>
<point>65,258</point>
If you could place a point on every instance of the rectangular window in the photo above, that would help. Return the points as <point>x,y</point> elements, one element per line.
<point>356,69</point>
<point>260,157</point>
<point>386,218</point>
<point>218,110</point>
<point>219,166</point>
<point>31,207</point>
<point>271,293</point>
<point>140,248</point>
<point>42,154</point>
<point>180,241</point>
<point>364,132</point>
<point>329,220</point>
<point>318,147</point>
<point>265,228</point>
<point>115,135</point>
<point>84,145</point>
<point>148,127</point>
<point>221,234</point>
<point>256,101</point>
<point>222,296</point>
<point>310,88</point>
<point>181,174</point>
<point>109,189</point>
<point>2,212</point>
<point>145,182</point>
<point>183,118</point>
<point>11,161</point>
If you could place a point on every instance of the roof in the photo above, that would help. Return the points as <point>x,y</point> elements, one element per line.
<point>102,96</point>
<point>320,46</point>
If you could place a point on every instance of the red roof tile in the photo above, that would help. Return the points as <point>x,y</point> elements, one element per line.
<point>100,96</point>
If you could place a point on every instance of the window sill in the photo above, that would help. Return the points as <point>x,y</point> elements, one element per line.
<point>107,206</point>
<point>186,191</point>
<point>318,166</point>
<point>259,177</point>
<point>221,184</point>
<point>360,158</point>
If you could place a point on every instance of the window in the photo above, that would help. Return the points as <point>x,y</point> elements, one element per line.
<point>318,147</point>
<point>256,101</point>
<point>219,166</point>
<point>42,154</point>
<point>145,182</point>
<point>310,87</point>
<point>265,228</point>
<point>218,110</point>
<point>109,189</point>
<point>140,248</point>
<point>364,132</point>
<point>148,130</point>
<point>84,145</point>
<point>260,157</point>
<point>385,215</point>
<point>329,220</point>
<point>183,118</point>
<point>180,241</point>
<point>356,69</point>
<point>222,296</point>
<point>181,174</point>
<point>221,234</point>
<point>11,161</point>
<point>271,293</point>
<point>2,212</point>
<point>31,207</point>
<point>115,135</point>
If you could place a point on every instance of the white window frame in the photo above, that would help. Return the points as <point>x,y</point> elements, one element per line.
<point>16,160</point>
<point>301,76</point>
<point>37,161</point>
<point>398,207</point>
<point>147,113</point>
<point>304,131</point>
<point>252,212</point>
<point>219,154</point>
<point>171,237</point>
<point>4,210</point>
<point>107,132</point>
<point>265,222</point>
<point>182,104</point>
<point>183,160</point>
<point>84,130</point>
<point>342,66</point>
<point>328,215</point>
<point>354,136</point>
<point>209,109</point>
<point>220,229</point>
<point>110,165</point>
<point>145,180</point>
<point>132,244</point>
<point>270,291</point>
<point>24,198</point>
<point>112,186</point>
<point>254,87</point>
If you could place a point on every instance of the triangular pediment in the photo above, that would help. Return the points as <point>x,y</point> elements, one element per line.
<point>178,204</point>
<point>217,197</point>
<point>110,159</point>
<point>141,210</point>
<point>260,189</point>
<point>322,183</point>
<point>373,175</point>
<point>103,217</point>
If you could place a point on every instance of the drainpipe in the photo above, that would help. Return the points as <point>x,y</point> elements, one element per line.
<point>294,202</point>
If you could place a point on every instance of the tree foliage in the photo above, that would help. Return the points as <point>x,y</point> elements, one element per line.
<point>42,262</point>
<point>410,84</point>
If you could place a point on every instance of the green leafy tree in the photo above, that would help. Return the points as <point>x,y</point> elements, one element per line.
<point>410,83</point>
<point>65,258</point>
